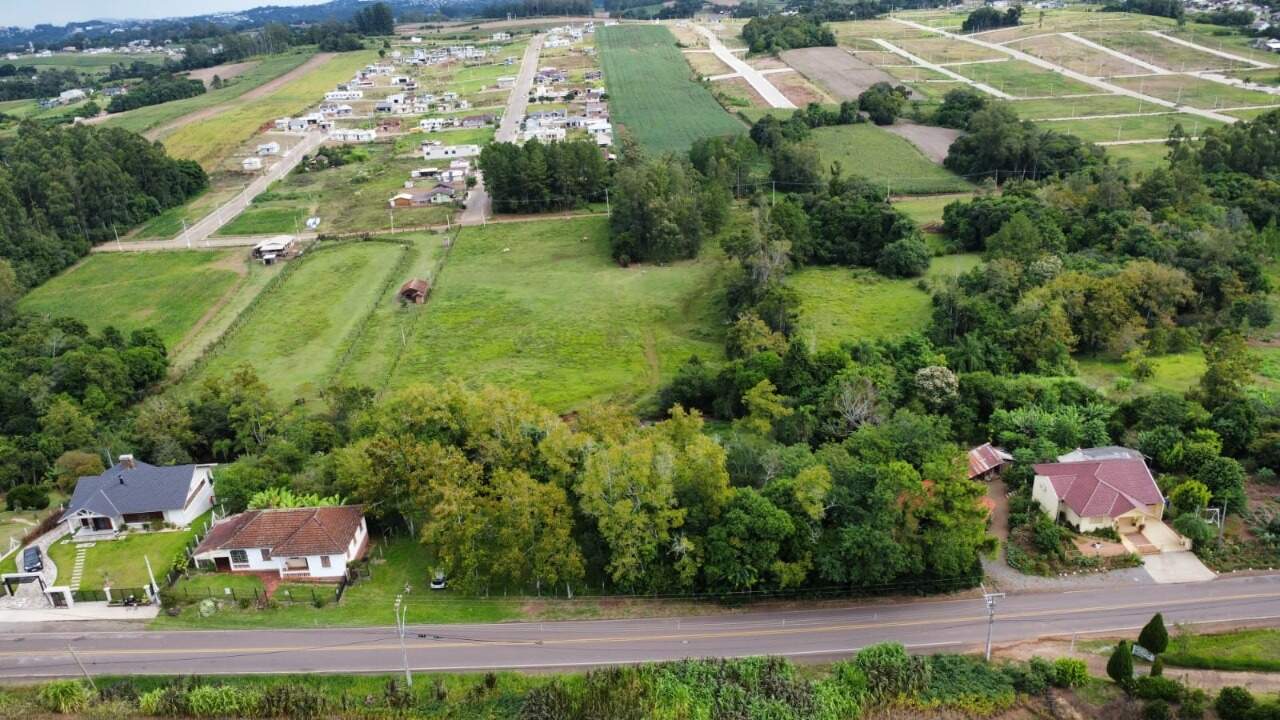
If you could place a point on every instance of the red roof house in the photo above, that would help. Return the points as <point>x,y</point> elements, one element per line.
<point>295,543</point>
<point>986,460</point>
<point>1099,488</point>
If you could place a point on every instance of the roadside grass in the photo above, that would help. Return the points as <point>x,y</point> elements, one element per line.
<point>885,159</point>
<point>541,306</point>
<point>268,68</point>
<point>1177,372</point>
<point>401,562</point>
<point>267,219</point>
<point>210,141</point>
<point>295,340</point>
<point>167,291</point>
<point>926,210</point>
<point>168,224</point>
<point>1250,114</point>
<point>1197,92</point>
<point>1141,127</point>
<point>1161,52</point>
<point>120,563</point>
<point>651,94</point>
<point>1244,651</point>
<point>841,305</point>
<point>1078,106</point>
<point>1022,79</point>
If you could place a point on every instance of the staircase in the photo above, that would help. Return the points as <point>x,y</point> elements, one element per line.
<point>1140,544</point>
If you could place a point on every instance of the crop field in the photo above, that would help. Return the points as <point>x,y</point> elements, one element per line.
<point>884,158</point>
<point>650,93</point>
<point>541,306</point>
<point>1076,56</point>
<point>1080,106</point>
<point>1142,127</point>
<point>1197,93</point>
<point>210,141</point>
<point>153,116</point>
<point>167,291</point>
<point>1022,79</point>
<point>295,336</point>
<point>1161,52</point>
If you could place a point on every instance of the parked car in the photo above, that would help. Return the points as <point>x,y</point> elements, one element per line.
<point>32,561</point>
<point>438,581</point>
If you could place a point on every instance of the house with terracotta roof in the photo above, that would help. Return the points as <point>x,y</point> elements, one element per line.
<point>314,543</point>
<point>1100,488</point>
<point>986,461</point>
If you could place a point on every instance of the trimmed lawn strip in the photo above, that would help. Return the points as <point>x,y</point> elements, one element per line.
<point>1142,127</point>
<point>167,291</point>
<point>120,561</point>
<point>1022,79</point>
<point>1245,651</point>
<point>884,158</point>
<point>542,307</point>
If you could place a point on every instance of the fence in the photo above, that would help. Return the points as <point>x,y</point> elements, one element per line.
<point>289,595</point>
<point>116,596</point>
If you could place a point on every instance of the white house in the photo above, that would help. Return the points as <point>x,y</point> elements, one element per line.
<point>500,36</point>
<point>67,97</point>
<point>433,124</point>
<point>269,148</point>
<point>339,95</point>
<point>284,123</point>
<point>295,543</point>
<point>353,135</point>
<point>506,81</point>
<point>132,493</point>
<point>545,134</point>
<point>434,151</point>
<point>556,41</point>
<point>251,164</point>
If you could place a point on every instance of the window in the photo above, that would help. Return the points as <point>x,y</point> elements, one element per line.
<point>324,561</point>
<point>239,557</point>
<point>266,554</point>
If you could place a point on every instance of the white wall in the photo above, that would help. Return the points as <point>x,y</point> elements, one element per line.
<point>200,504</point>
<point>1043,493</point>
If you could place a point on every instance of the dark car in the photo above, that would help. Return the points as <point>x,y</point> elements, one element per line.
<point>32,560</point>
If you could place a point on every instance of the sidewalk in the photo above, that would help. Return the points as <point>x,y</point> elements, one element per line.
<point>81,612</point>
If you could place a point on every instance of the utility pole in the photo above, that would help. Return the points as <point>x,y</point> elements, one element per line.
<point>401,610</point>
<point>82,668</point>
<point>990,599</point>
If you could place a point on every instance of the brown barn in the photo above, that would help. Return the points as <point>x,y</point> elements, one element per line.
<point>415,291</point>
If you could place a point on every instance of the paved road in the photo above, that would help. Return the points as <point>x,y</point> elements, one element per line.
<point>825,633</point>
<point>771,94</point>
<point>1081,77</point>
<point>518,100</point>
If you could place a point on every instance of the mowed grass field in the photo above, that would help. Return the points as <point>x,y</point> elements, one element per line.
<point>1141,127</point>
<point>542,307</point>
<point>266,70</point>
<point>209,141</point>
<point>651,93</point>
<point>168,291</point>
<point>1197,93</point>
<point>295,336</point>
<point>884,158</point>
<point>1022,79</point>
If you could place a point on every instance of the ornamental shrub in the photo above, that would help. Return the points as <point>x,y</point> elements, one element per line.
<point>64,697</point>
<point>1120,665</point>
<point>1233,703</point>
<point>1154,636</point>
<point>1157,710</point>
<point>1158,688</point>
<point>1069,672</point>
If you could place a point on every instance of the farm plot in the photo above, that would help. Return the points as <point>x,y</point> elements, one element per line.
<point>840,74</point>
<point>1070,20</point>
<point>1022,79</point>
<point>167,291</point>
<point>1141,127</point>
<point>1076,56</point>
<point>209,141</point>
<point>942,50</point>
<point>884,158</point>
<point>1161,52</point>
<point>295,336</point>
<point>542,307</point>
<point>648,81</point>
<point>799,90</point>
<point>1197,93</point>
<point>1080,106</point>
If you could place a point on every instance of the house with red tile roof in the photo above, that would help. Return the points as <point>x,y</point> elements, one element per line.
<point>313,543</point>
<point>1099,488</point>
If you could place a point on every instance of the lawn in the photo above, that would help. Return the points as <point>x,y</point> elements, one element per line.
<point>268,69</point>
<point>394,565</point>
<point>1022,79</point>
<point>119,563</point>
<point>885,159</point>
<point>651,94</point>
<point>1079,106</point>
<point>927,210</point>
<point>1177,372</point>
<point>167,291</point>
<point>267,219</point>
<point>1246,650</point>
<point>541,306</point>
<point>1196,92</point>
<point>1142,127</point>
<point>840,305</point>
<point>211,140</point>
<point>296,337</point>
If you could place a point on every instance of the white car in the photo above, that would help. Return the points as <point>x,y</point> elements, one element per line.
<point>438,582</point>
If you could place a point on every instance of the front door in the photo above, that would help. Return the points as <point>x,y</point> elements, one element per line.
<point>222,564</point>
<point>102,523</point>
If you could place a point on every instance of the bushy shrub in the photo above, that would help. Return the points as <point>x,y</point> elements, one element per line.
<point>1069,672</point>
<point>1233,703</point>
<point>890,671</point>
<point>905,258</point>
<point>1154,637</point>
<point>1156,710</point>
<point>220,701</point>
<point>292,700</point>
<point>27,497</point>
<point>64,696</point>
<point>1034,678</point>
<point>107,710</point>
<point>1158,688</point>
<point>1193,705</point>
<point>1264,711</point>
<point>1120,664</point>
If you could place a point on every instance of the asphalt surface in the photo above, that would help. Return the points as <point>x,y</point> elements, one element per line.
<point>760,83</point>
<point>923,625</point>
<point>518,100</point>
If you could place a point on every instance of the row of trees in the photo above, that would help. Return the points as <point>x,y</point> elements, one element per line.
<point>64,188</point>
<point>775,33</point>
<point>156,90</point>
<point>988,18</point>
<point>535,177</point>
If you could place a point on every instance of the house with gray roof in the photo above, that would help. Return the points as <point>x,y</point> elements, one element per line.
<point>132,493</point>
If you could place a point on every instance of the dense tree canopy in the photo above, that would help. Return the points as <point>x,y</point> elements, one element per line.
<point>154,91</point>
<point>987,18</point>
<point>535,177</point>
<point>663,209</point>
<point>774,33</point>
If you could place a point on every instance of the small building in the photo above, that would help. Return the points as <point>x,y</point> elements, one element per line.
<point>500,36</point>
<point>340,95</point>
<point>269,148</point>
<point>477,121</point>
<point>272,248</point>
<point>134,494</point>
<point>1099,488</point>
<point>435,151</point>
<point>415,291</point>
<point>427,172</point>
<point>353,135</point>
<point>66,97</point>
<point>506,81</point>
<point>439,194</point>
<point>315,543</point>
<point>987,461</point>
<point>433,124</point>
<point>251,164</point>
<point>283,123</point>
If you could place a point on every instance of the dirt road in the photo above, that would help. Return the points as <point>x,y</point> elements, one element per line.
<point>261,91</point>
<point>759,83</point>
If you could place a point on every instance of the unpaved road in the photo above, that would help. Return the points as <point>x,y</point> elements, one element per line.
<point>759,83</point>
<point>262,90</point>
<point>518,100</point>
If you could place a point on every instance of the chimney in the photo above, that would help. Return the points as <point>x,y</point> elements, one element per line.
<point>126,461</point>
<point>120,478</point>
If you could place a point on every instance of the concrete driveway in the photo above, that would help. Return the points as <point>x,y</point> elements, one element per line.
<point>1176,567</point>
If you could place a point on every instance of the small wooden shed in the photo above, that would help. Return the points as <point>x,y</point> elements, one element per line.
<point>415,291</point>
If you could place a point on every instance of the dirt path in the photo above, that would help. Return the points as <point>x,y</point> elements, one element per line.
<point>223,72</point>
<point>261,91</point>
<point>759,82</point>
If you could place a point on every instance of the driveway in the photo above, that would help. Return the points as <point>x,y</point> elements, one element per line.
<point>1176,567</point>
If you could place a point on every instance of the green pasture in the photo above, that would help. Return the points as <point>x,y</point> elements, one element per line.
<point>542,307</point>
<point>651,94</point>
<point>842,305</point>
<point>927,209</point>
<point>1143,156</point>
<point>884,158</point>
<point>1022,79</point>
<point>1196,92</point>
<point>1141,127</point>
<point>1176,372</point>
